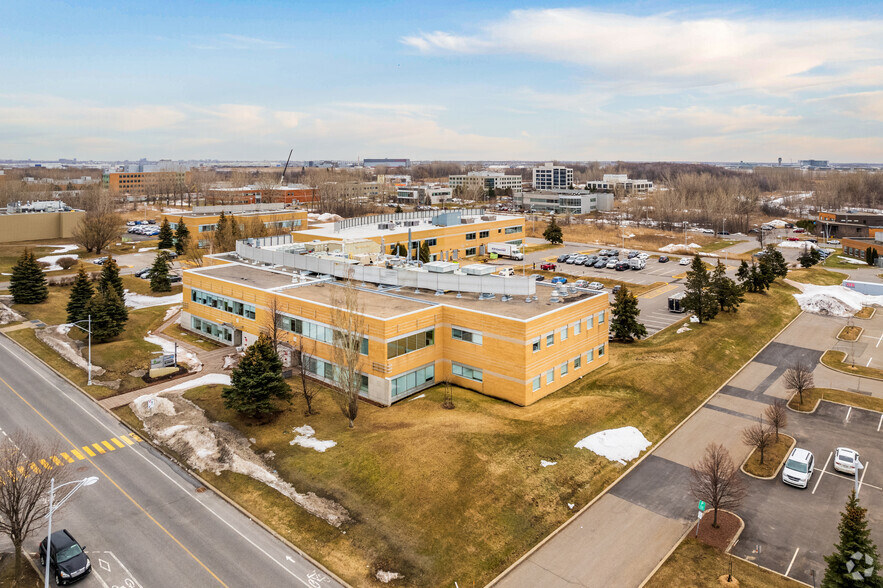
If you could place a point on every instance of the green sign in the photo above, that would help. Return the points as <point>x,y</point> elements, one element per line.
<point>702,505</point>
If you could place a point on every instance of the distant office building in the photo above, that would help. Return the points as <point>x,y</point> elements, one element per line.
<point>552,177</point>
<point>393,180</point>
<point>48,219</point>
<point>813,163</point>
<point>424,195</point>
<point>143,182</point>
<point>387,162</point>
<point>290,194</point>
<point>611,181</point>
<point>487,180</point>
<point>567,201</point>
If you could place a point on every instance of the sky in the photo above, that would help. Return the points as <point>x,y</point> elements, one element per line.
<point>644,80</point>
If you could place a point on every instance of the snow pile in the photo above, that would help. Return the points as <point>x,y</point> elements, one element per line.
<point>305,439</point>
<point>141,301</point>
<point>834,300</point>
<point>216,447</point>
<point>387,577</point>
<point>57,254</point>
<point>205,380</point>
<point>798,244</point>
<point>325,217</point>
<point>171,312</point>
<point>779,224</point>
<point>168,348</point>
<point>229,362</point>
<point>57,339</point>
<point>620,445</point>
<point>143,249</point>
<point>680,248</point>
<point>546,464</point>
<point>850,260</point>
<point>7,315</point>
<point>416,397</point>
<point>683,329</point>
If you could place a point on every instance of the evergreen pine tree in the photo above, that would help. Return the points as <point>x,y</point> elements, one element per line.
<point>398,208</point>
<point>182,237</point>
<point>109,315</point>
<point>235,232</point>
<point>773,264</point>
<point>553,233</point>
<point>257,381</point>
<point>869,255</point>
<point>624,325</point>
<point>219,237</point>
<point>81,293</point>
<point>115,307</point>
<point>424,252</point>
<point>159,274</point>
<point>110,277</point>
<point>28,282</point>
<point>806,258</point>
<point>855,537</point>
<point>727,292</point>
<point>699,296</point>
<point>166,236</point>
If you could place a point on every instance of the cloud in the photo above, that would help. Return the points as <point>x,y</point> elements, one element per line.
<point>861,105</point>
<point>672,52</point>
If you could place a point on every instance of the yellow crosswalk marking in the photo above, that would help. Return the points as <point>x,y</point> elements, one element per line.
<point>78,455</point>
<point>45,464</point>
<point>57,461</point>
<point>109,446</point>
<point>117,442</point>
<point>67,458</point>
<point>98,448</point>
<point>88,451</point>
<point>136,437</point>
<point>126,440</point>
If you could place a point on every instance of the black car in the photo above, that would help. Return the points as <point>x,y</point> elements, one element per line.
<point>175,279</point>
<point>663,258</point>
<point>563,257</point>
<point>622,266</point>
<point>66,558</point>
<point>100,260</point>
<point>144,272</point>
<point>169,253</point>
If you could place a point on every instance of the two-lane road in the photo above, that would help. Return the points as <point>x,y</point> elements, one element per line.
<point>146,522</point>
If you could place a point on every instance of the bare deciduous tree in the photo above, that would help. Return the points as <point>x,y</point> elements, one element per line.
<point>308,388</point>
<point>759,437</point>
<point>193,253</point>
<point>799,378</point>
<point>349,328</point>
<point>24,488</point>
<point>273,323</point>
<point>97,230</point>
<point>777,415</point>
<point>716,480</point>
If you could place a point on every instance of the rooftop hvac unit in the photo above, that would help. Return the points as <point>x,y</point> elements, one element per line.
<point>468,220</point>
<point>489,217</point>
<point>390,226</point>
<point>411,223</point>
<point>441,267</point>
<point>486,296</point>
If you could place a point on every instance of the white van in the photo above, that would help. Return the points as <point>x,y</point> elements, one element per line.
<point>799,468</point>
<point>506,272</point>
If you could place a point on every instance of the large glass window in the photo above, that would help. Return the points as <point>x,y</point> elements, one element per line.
<point>467,372</point>
<point>213,330</point>
<point>410,343</point>
<point>316,331</point>
<point>470,251</point>
<point>510,230</point>
<point>465,335</point>
<point>207,228</point>
<point>412,380</point>
<point>484,234</point>
<point>550,376</point>
<point>536,383</point>
<point>563,369</point>
<point>223,303</point>
<point>470,236</point>
<point>550,339</point>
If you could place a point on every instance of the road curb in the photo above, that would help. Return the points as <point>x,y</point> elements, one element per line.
<point>845,355</point>
<point>622,476</point>
<point>187,469</point>
<point>860,331</point>
<point>814,408</point>
<point>778,469</point>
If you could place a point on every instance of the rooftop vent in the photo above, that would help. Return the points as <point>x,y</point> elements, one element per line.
<point>486,296</point>
<point>489,217</point>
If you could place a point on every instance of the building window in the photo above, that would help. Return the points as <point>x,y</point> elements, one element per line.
<point>563,334</point>
<point>563,369</point>
<point>316,331</point>
<point>536,383</point>
<point>577,362</point>
<point>590,356</point>
<point>590,322</point>
<point>550,376</point>
<point>470,236</point>
<point>484,234</point>
<point>536,345</point>
<point>207,228</point>
<point>470,251</point>
<point>411,381</point>
<point>550,339</point>
<point>213,330</point>
<point>576,328</point>
<point>600,317</point>
<point>410,343</point>
<point>465,335</point>
<point>510,230</point>
<point>601,350</point>
<point>431,242</point>
<point>222,303</point>
<point>467,372</point>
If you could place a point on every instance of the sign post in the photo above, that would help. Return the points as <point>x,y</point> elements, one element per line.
<point>701,512</point>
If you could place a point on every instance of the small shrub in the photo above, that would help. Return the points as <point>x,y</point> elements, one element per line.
<point>66,262</point>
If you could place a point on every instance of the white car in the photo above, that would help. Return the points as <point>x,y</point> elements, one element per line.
<point>596,286</point>
<point>685,261</point>
<point>844,460</point>
<point>612,263</point>
<point>644,256</point>
<point>798,469</point>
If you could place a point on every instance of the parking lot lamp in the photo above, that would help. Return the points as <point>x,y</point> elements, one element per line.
<point>52,508</point>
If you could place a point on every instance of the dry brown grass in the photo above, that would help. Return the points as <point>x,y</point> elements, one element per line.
<point>772,457</point>
<point>865,313</point>
<point>812,397</point>
<point>849,333</point>
<point>611,235</point>
<point>836,360</point>
<point>817,275</point>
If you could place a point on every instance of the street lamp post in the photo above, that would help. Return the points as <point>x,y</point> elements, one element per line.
<point>88,329</point>
<point>52,508</point>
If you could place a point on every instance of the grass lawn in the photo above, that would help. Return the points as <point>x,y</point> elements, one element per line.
<point>812,397</point>
<point>835,360</point>
<point>772,457</point>
<point>540,247</point>
<point>458,495</point>
<point>28,579</point>
<point>695,564</point>
<point>817,275</point>
<point>644,238</point>
<point>835,262</point>
<point>849,333</point>
<point>865,313</point>
<point>717,246</point>
<point>176,332</point>
<point>141,286</point>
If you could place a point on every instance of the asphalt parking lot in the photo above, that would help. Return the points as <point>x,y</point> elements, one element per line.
<point>791,530</point>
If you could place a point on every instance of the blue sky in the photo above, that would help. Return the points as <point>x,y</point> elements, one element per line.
<point>442,80</point>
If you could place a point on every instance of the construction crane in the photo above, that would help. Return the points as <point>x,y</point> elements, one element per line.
<point>282,179</point>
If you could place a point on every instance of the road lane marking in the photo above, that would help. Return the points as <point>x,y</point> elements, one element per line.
<point>862,479</point>
<point>117,442</point>
<point>143,456</point>
<point>848,412</point>
<point>869,361</point>
<point>100,449</point>
<point>77,454</point>
<point>880,423</point>
<point>109,446</point>
<point>126,440</point>
<point>46,465</point>
<point>88,451</point>
<point>851,479</point>
<point>118,487</point>
<point>796,551</point>
<point>822,473</point>
<point>57,461</point>
<point>878,340</point>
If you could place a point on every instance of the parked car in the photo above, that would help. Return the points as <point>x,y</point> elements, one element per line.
<point>844,460</point>
<point>616,289</point>
<point>707,231</point>
<point>621,266</point>
<point>633,254</point>
<point>793,239</point>
<point>581,284</point>
<point>833,241</point>
<point>724,233</point>
<point>637,263</point>
<point>537,277</point>
<point>799,468</point>
<point>596,285</point>
<point>611,263</point>
<point>131,223</point>
<point>170,253</point>
<point>66,558</point>
<point>601,263</point>
<point>799,230</point>
<point>580,259</point>
<point>685,261</point>
<point>548,267</point>
<point>644,256</point>
<point>663,259</point>
<point>176,279</point>
<point>558,280</point>
<point>813,240</point>
<point>142,272</point>
<point>563,257</point>
<point>604,252</point>
<point>614,252</point>
<point>100,260</point>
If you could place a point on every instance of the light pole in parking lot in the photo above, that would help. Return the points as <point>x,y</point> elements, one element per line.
<point>52,508</point>
<point>88,329</point>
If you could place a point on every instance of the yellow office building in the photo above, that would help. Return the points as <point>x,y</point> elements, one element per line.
<point>253,220</point>
<point>506,337</point>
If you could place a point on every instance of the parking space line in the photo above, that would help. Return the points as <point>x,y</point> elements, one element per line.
<point>848,412</point>
<point>880,423</point>
<point>878,340</point>
<point>793,557</point>
<point>822,473</point>
<point>851,479</point>
<point>862,479</point>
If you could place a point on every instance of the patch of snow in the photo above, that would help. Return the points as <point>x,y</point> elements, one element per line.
<point>143,408</point>
<point>141,301</point>
<point>52,260</point>
<point>387,577</point>
<point>850,260</point>
<point>306,439</point>
<point>546,464</point>
<point>58,340</point>
<point>570,505</point>
<point>5,274</point>
<point>683,329</point>
<point>205,380</point>
<point>325,217</point>
<point>7,315</point>
<point>59,249</point>
<point>621,445</point>
<point>797,245</point>
<point>171,312</point>
<point>694,319</point>
<point>679,248</point>
<point>834,300</point>
<point>168,348</point>
<point>416,397</point>
<point>779,224</point>
<point>143,249</point>
<point>229,361</point>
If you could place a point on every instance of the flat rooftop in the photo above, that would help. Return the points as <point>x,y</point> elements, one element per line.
<point>368,231</point>
<point>235,214</point>
<point>389,302</point>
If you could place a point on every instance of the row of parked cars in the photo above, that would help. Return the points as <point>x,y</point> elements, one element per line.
<point>799,468</point>
<point>606,258</point>
<point>148,230</point>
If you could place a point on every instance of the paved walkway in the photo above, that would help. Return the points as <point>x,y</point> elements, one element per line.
<point>619,539</point>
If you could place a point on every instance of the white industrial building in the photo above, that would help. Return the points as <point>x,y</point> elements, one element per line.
<point>552,177</point>
<point>611,181</point>
<point>487,180</point>
<point>424,195</point>
<point>567,201</point>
